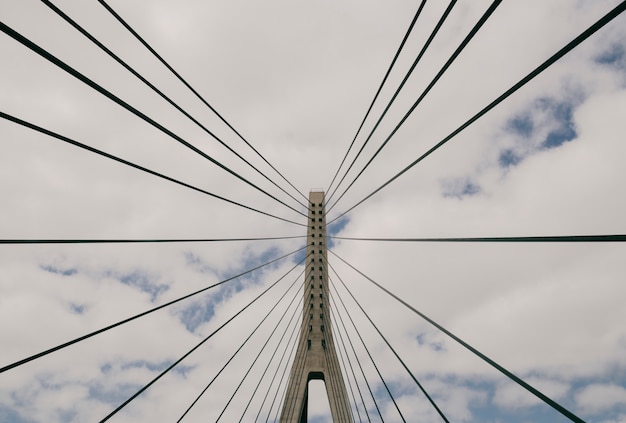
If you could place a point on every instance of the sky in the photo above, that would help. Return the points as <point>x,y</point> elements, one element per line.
<point>295,79</point>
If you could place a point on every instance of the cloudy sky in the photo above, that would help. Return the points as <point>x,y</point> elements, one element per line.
<point>295,79</point>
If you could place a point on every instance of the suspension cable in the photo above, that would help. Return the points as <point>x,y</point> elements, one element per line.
<point>139,241</point>
<point>129,319</point>
<point>542,67</point>
<point>67,68</point>
<point>174,364</point>
<point>184,82</point>
<point>358,361</point>
<point>364,345</point>
<point>256,358</point>
<point>343,363</point>
<point>291,319</point>
<point>119,60</point>
<point>241,347</point>
<point>278,367</point>
<point>280,382</point>
<point>380,87</point>
<point>543,238</point>
<point>443,18</point>
<point>136,166</point>
<point>280,404</point>
<point>345,350</point>
<point>419,385</point>
<point>556,406</point>
<point>443,69</point>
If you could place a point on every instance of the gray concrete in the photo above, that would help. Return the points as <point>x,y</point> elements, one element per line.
<point>316,357</point>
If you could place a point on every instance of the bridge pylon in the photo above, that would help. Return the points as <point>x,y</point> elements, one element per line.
<point>316,356</point>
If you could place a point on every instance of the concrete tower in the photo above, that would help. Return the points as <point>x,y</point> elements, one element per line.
<point>316,357</point>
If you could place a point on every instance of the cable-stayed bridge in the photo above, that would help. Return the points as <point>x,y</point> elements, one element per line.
<point>157,227</point>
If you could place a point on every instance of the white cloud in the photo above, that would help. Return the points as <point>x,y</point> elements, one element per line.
<point>295,79</point>
<point>599,397</point>
<point>620,419</point>
<point>512,396</point>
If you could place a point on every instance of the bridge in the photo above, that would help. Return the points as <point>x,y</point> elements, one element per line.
<point>159,163</point>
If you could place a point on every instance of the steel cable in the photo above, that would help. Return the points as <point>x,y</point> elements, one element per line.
<point>364,345</point>
<point>278,367</point>
<point>134,165</point>
<point>538,70</point>
<point>232,357</point>
<point>129,68</point>
<point>432,83</point>
<point>541,238</point>
<point>419,385</point>
<point>438,26</point>
<point>81,77</point>
<point>140,241</point>
<point>136,316</point>
<point>184,82</point>
<point>188,353</point>
<point>556,406</point>
<point>380,87</point>
<point>358,362</point>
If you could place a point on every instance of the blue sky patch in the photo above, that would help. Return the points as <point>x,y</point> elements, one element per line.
<point>540,413</point>
<point>334,228</point>
<point>299,256</point>
<point>67,415</point>
<point>59,271</point>
<point>142,281</point>
<point>484,409</point>
<point>9,415</point>
<point>153,367</point>
<point>548,124</point>
<point>337,226</point>
<point>460,187</point>
<point>78,308</point>
<point>614,55</point>
<point>399,389</point>
<point>202,310</point>
<point>265,256</point>
<point>521,125</point>
<point>251,261</point>
<point>198,313</point>
<point>423,341</point>
<point>508,158</point>
<point>183,370</point>
<point>115,395</point>
<point>564,113</point>
<point>196,263</point>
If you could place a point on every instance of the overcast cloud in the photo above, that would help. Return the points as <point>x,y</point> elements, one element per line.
<point>295,79</point>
